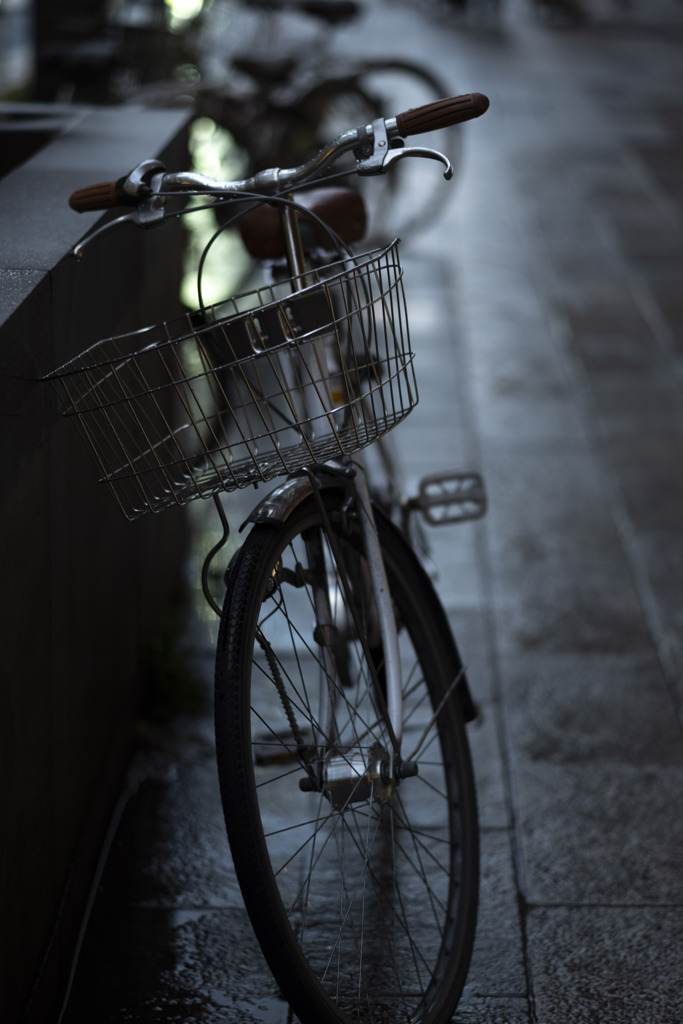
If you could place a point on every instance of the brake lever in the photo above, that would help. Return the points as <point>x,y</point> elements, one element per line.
<point>395,155</point>
<point>148,212</point>
<point>383,154</point>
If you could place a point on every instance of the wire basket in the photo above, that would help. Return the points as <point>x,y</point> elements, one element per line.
<point>271,381</point>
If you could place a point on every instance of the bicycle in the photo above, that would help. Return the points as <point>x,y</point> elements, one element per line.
<point>340,697</point>
<point>279,105</point>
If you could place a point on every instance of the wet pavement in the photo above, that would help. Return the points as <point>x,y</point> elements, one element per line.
<point>547,314</point>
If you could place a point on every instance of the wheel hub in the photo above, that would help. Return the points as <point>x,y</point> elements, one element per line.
<point>357,775</point>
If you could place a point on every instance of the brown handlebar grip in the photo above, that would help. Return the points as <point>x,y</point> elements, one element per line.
<point>95,197</point>
<point>441,113</point>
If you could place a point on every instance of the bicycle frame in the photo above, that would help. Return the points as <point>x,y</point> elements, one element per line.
<point>394,700</point>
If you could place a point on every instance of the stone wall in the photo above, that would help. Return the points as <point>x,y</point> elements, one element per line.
<point>83,592</point>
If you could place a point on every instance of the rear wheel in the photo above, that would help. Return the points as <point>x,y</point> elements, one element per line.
<point>361,887</point>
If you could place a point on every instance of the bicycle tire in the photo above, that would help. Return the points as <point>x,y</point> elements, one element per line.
<point>410,880</point>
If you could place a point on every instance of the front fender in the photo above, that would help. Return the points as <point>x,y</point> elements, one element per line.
<point>279,504</point>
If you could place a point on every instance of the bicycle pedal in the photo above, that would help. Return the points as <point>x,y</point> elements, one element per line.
<point>450,498</point>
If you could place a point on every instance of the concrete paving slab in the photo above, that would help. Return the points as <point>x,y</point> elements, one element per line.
<point>562,582</point>
<point>490,768</point>
<point>594,761</point>
<point>577,709</point>
<point>599,834</point>
<point>498,966</point>
<point>606,964</point>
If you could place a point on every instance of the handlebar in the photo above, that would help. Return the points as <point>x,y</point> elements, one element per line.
<point>375,146</point>
<point>441,114</point>
<point>103,196</point>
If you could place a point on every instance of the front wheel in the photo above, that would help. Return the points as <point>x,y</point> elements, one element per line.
<point>361,887</point>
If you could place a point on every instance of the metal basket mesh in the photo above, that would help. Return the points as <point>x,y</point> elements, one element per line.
<point>269,382</point>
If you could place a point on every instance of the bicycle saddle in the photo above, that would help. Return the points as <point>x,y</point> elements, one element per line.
<point>342,209</point>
